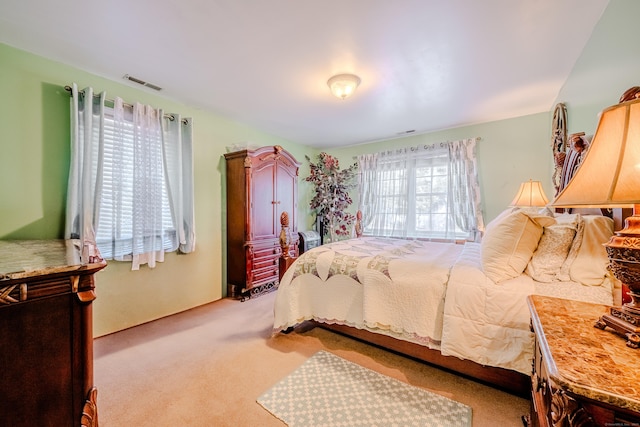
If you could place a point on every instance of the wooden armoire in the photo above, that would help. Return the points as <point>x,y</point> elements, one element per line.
<point>261,184</point>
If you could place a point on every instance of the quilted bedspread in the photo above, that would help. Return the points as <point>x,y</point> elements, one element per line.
<point>432,294</point>
<point>390,285</point>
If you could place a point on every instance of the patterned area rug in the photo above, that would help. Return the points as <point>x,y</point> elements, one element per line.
<point>330,391</point>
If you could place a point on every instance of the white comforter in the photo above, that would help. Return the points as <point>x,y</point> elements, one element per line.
<point>391,286</point>
<point>488,323</point>
<point>433,294</point>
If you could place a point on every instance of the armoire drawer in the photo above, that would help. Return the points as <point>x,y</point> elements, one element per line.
<point>263,275</point>
<point>264,262</point>
<point>272,250</point>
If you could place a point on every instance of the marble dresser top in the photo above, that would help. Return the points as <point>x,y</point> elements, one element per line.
<point>28,258</point>
<point>583,359</point>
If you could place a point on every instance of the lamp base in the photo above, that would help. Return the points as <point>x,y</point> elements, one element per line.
<point>624,263</point>
<point>624,323</point>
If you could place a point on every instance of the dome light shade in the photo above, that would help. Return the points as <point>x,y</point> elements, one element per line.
<point>343,85</point>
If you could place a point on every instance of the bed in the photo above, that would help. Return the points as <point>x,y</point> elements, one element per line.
<point>458,306</point>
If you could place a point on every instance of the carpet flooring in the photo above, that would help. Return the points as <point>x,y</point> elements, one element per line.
<point>207,366</point>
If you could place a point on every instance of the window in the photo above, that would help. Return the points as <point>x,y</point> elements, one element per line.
<point>130,197</point>
<point>130,193</point>
<point>418,193</point>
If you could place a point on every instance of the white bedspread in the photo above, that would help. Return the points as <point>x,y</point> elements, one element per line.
<point>488,323</point>
<point>433,294</point>
<point>392,286</point>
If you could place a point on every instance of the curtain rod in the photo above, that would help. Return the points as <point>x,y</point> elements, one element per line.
<point>414,148</point>
<point>166,116</point>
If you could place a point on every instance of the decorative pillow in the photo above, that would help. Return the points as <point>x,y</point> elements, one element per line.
<point>590,265</point>
<point>552,252</point>
<point>578,222</point>
<point>509,242</point>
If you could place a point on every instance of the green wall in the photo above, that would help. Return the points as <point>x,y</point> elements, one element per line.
<point>34,163</point>
<point>509,152</point>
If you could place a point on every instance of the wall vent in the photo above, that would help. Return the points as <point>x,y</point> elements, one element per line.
<point>142,82</point>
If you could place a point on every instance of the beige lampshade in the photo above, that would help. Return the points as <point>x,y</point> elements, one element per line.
<point>610,172</point>
<point>343,85</point>
<point>530,193</point>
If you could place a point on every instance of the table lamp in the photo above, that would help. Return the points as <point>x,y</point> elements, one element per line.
<point>609,176</point>
<point>530,194</point>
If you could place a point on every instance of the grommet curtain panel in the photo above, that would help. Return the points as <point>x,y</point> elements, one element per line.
<point>130,189</point>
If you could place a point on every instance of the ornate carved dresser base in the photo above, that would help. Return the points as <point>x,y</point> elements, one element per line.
<point>46,338</point>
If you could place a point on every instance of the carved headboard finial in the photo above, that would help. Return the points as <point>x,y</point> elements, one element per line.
<point>631,93</point>
<point>358,226</point>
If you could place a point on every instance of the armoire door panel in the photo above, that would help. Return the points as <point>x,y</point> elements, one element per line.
<point>286,193</point>
<point>263,207</point>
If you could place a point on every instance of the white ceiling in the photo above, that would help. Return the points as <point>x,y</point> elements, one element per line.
<point>425,64</point>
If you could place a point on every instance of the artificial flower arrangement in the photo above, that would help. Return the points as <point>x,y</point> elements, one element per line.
<point>332,197</point>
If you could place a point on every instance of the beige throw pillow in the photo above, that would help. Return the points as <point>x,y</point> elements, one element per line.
<point>590,265</point>
<point>509,242</point>
<point>587,260</point>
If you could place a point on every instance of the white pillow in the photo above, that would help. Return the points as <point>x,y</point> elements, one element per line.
<point>509,242</point>
<point>551,253</point>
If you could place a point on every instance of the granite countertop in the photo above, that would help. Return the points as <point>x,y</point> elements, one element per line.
<point>28,258</point>
<point>583,359</point>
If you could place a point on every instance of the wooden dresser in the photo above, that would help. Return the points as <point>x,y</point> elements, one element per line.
<point>46,337</point>
<point>261,184</point>
<point>582,376</point>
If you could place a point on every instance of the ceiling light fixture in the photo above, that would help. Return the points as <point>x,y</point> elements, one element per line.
<point>343,85</point>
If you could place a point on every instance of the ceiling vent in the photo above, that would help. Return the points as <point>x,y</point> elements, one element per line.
<point>142,82</point>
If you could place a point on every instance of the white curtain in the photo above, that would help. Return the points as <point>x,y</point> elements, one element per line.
<point>178,154</point>
<point>464,188</point>
<point>429,192</point>
<point>138,201</point>
<point>367,181</point>
<point>384,198</point>
<point>84,187</point>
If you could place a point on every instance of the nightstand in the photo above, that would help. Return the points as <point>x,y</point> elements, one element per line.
<point>582,376</point>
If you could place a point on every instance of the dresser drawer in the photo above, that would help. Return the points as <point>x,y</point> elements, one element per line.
<point>262,259</point>
<point>264,275</point>
<point>269,251</point>
<point>264,262</point>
